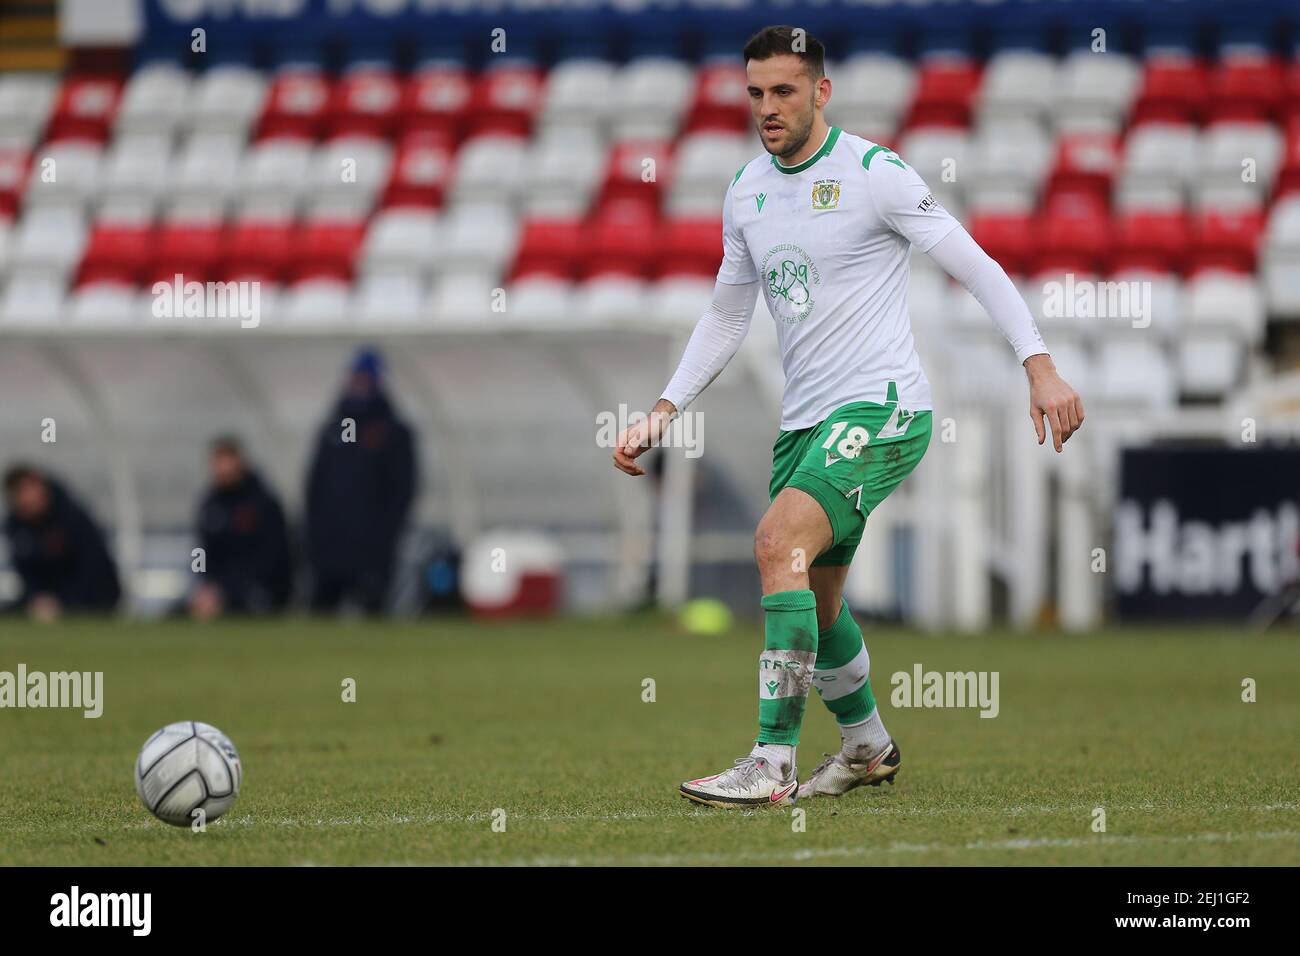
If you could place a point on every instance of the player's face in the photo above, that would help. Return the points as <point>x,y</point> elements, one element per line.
<point>783,99</point>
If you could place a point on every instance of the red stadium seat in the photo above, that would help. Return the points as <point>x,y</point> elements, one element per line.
<point>327,249</point>
<point>421,171</point>
<point>1226,239</point>
<point>1174,89</point>
<point>1085,162</point>
<point>116,253</point>
<point>1245,88</point>
<point>258,249</point>
<point>296,105</point>
<point>621,241</point>
<point>623,175</point>
<point>436,100</point>
<point>548,247</point>
<point>1154,240</point>
<point>1075,233</point>
<point>504,101</point>
<point>721,99</point>
<point>1007,237</point>
<point>945,90</point>
<point>690,247</point>
<point>13,179</point>
<point>364,102</point>
<point>189,248</point>
<point>85,108</point>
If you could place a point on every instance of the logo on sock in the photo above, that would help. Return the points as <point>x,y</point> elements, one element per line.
<point>771,687</point>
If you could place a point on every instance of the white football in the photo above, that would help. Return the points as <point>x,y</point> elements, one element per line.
<point>186,767</point>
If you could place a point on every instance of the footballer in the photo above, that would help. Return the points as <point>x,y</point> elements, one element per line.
<point>823,225</point>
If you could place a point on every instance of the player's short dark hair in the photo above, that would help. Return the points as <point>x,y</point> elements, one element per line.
<point>781,40</point>
<point>19,473</point>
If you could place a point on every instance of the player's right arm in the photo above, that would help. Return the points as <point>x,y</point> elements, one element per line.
<point>716,339</point>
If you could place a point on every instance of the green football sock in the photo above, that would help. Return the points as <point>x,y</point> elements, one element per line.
<point>785,668</point>
<point>842,671</point>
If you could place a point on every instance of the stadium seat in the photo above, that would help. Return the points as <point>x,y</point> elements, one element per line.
<point>14,164</point>
<point>26,101</point>
<point>136,168</point>
<point>721,102</point>
<point>540,300</point>
<point>85,108</point>
<point>32,300</point>
<point>504,101</point>
<point>326,249</point>
<point>226,98</point>
<point>390,298</point>
<point>420,171</point>
<point>1007,237</point>
<point>1227,303</point>
<point>364,103</point>
<point>320,301</point>
<point>1209,367</point>
<point>436,100</point>
<point>489,169</point>
<point>154,100</point>
<point>65,174</point>
<point>635,172</point>
<point>1151,239</point>
<point>190,249</point>
<point>107,304</point>
<point>1232,150</point>
<point>401,239</point>
<point>257,249</point>
<point>48,243</point>
<point>1096,91</point>
<point>1018,84</point>
<point>679,301</point>
<point>562,172</point>
<point>207,166</point>
<point>1075,233</point>
<point>116,254</point>
<point>873,88</point>
<point>1162,152</point>
<point>477,237</point>
<point>1226,239</point>
<point>463,301</point>
<point>1011,159</point>
<point>1175,89</point>
<point>690,247</point>
<point>1134,375</point>
<point>704,165</point>
<point>276,168</point>
<point>567,101</point>
<point>649,98</point>
<point>610,299</point>
<point>296,104</point>
<point>1245,85</point>
<point>618,243</point>
<point>548,247</point>
<point>945,90</point>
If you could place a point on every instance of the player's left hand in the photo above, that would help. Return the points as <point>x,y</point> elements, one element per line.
<point>1051,397</point>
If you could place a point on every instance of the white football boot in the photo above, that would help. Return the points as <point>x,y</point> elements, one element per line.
<point>842,773</point>
<point>752,782</point>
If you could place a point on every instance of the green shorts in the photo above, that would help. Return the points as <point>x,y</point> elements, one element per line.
<point>850,463</point>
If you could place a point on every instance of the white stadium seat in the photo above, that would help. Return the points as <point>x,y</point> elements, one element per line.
<point>276,167</point>
<point>1096,91</point>
<point>1209,366</point>
<point>48,241</point>
<point>324,303</point>
<point>705,165</point>
<point>66,173</point>
<point>390,298</point>
<point>136,166</point>
<point>561,174</point>
<point>1018,84</point>
<point>460,300</point>
<point>1134,374</point>
<point>351,165</point>
<point>1228,148</point>
<point>1225,302</point>
<point>540,300</point>
<point>401,238</point>
<point>872,84</point>
<point>107,304</point>
<point>207,165</point>
<point>649,97</point>
<point>1160,153</point>
<point>679,302</point>
<point>32,300</point>
<point>226,99</point>
<point>480,237</point>
<point>611,300</point>
<point>26,100</point>
<point>568,98</point>
<point>155,100</point>
<point>489,169</point>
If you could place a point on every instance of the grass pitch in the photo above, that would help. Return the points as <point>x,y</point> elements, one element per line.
<point>456,720</point>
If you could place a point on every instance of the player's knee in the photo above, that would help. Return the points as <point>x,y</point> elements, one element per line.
<point>769,547</point>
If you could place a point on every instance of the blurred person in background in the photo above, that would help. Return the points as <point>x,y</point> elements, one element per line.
<point>359,491</point>
<point>245,540</point>
<point>57,549</point>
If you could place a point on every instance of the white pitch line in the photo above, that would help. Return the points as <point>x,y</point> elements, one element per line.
<point>800,856</point>
<point>390,820</point>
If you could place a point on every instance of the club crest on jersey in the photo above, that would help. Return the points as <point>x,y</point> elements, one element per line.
<point>825,195</point>
<point>791,277</point>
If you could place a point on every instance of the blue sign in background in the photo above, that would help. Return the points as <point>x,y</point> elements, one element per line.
<point>269,32</point>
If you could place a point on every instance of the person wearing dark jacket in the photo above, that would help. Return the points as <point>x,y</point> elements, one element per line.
<point>57,549</point>
<point>359,490</point>
<point>245,539</point>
